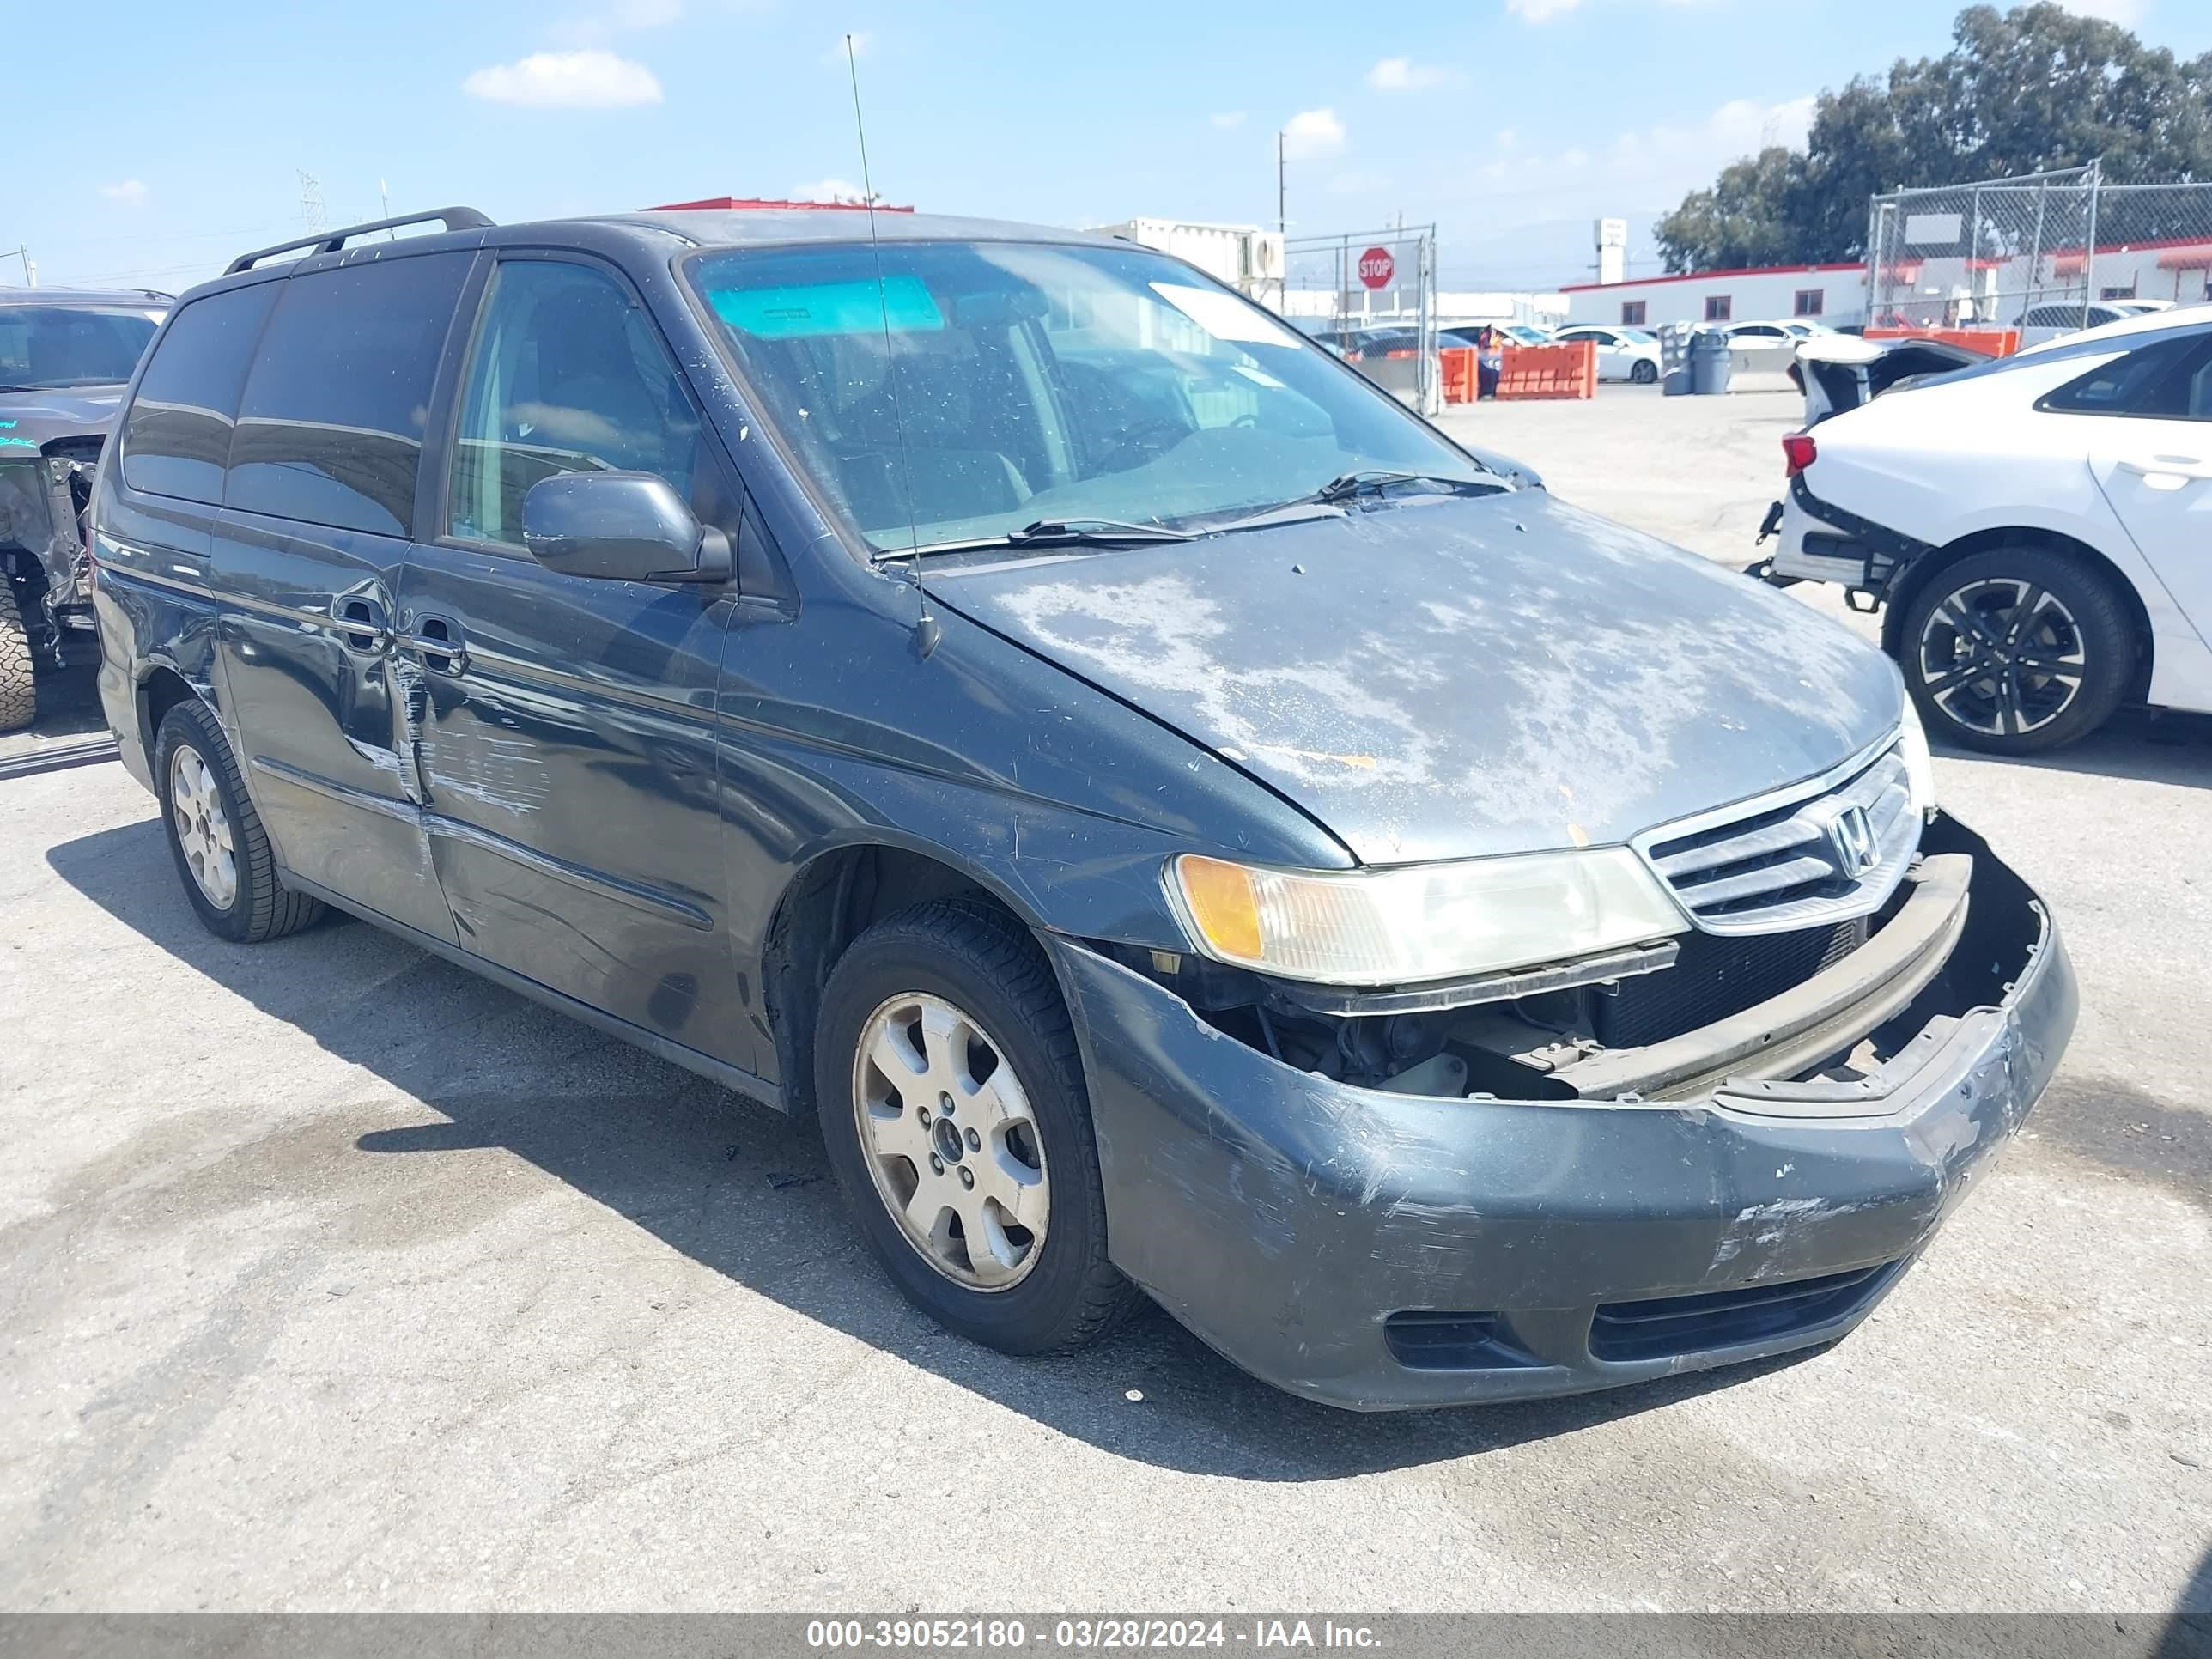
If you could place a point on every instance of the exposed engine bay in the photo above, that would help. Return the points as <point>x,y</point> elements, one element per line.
<point>1828,1005</point>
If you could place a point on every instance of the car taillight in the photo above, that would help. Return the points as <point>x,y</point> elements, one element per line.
<point>1797,453</point>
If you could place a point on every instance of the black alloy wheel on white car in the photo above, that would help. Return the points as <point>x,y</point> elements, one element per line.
<point>1644,371</point>
<point>2015,651</point>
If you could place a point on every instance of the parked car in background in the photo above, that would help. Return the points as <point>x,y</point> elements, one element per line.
<point>1467,334</point>
<point>2048,322</point>
<point>65,356</point>
<point>1175,822</point>
<point>1623,354</point>
<point>2034,524</point>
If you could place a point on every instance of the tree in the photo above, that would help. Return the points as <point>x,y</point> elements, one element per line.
<point>2021,91</point>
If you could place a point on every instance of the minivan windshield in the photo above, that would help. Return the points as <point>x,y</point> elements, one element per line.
<point>978,388</point>
<point>43,347</point>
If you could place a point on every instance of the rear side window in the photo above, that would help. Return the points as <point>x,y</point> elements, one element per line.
<point>176,435</point>
<point>329,431</point>
<point>2118,385</point>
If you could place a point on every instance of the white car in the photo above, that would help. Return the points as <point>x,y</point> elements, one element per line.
<point>1623,354</point>
<point>2038,526</point>
<point>2057,320</point>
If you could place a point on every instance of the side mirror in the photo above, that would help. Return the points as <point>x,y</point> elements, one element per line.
<point>620,526</point>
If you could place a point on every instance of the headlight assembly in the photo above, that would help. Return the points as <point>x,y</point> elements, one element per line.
<point>1919,769</point>
<point>1420,922</point>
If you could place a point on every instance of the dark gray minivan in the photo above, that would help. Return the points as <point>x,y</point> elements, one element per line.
<point>1179,824</point>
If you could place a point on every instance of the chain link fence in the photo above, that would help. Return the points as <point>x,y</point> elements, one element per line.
<point>1372,296</point>
<point>2041,252</point>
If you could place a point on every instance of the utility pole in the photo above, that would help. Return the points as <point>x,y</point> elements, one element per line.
<point>1282,224</point>
<point>30,270</point>
<point>311,203</point>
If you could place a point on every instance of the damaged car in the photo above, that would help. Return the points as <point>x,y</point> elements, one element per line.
<point>64,357</point>
<point>1182,827</point>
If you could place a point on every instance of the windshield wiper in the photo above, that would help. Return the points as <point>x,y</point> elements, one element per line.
<point>1375,481</point>
<point>1054,533</point>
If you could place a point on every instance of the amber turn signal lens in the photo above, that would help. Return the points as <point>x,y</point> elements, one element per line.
<point>1222,904</point>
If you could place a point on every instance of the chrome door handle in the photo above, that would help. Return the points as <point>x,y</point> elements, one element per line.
<point>361,625</point>
<point>439,643</point>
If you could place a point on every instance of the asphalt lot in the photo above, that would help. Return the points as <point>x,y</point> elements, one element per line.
<point>331,1277</point>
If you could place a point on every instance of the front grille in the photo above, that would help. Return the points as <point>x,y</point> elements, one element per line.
<point>1663,1327</point>
<point>1714,977</point>
<point>1787,860</point>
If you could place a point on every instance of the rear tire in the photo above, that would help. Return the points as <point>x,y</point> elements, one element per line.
<point>2016,651</point>
<point>216,836</point>
<point>19,692</point>
<point>933,1147</point>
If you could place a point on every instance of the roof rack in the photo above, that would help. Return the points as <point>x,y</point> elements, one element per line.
<point>330,241</point>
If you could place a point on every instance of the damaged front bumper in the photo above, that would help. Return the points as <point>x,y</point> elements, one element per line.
<point>42,545</point>
<point>1377,1250</point>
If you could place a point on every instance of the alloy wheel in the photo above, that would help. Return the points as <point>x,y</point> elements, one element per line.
<point>203,826</point>
<point>950,1141</point>
<point>2003,656</point>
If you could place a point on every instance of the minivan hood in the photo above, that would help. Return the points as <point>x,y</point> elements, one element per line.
<point>1455,677</point>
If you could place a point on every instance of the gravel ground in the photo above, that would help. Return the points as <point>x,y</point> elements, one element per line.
<point>335,1277</point>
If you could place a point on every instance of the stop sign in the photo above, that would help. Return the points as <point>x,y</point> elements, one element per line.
<point>1377,267</point>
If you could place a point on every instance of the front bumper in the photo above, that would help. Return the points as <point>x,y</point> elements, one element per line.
<point>1376,1250</point>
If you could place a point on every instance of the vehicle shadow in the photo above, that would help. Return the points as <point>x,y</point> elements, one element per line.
<point>744,1190</point>
<point>2134,743</point>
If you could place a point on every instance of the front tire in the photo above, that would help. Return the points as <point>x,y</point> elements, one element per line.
<point>19,693</point>
<point>216,836</point>
<point>1643,372</point>
<point>955,1115</point>
<point>2016,651</point>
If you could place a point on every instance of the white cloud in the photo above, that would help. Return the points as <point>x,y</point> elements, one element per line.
<point>1311,134</point>
<point>1541,11</point>
<point>132,193</point>
<point>590,79</point>
<point>828,190</point>
<point>2125,12</point>
<point>1643,170</point>
<point>1234,117</point>
<point>1404,74</point>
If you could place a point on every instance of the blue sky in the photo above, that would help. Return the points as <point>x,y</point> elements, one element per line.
<point>151,155</point>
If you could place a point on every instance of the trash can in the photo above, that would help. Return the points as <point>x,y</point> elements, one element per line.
<point>1708,363</point>
<point>1675,359</point>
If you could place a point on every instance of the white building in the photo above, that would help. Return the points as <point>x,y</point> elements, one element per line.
<point>1245,257</point>
<point>1834,294</point>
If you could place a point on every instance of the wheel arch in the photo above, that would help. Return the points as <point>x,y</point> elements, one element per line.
<point>830,900</point>
<point>1915,578</point>
<point>162,689</point>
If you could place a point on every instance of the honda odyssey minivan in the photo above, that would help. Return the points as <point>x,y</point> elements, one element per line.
<point>1182,826</point>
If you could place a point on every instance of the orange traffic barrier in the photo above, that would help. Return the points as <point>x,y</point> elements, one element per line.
<point>1462,381</point>
<point>1548,371</point>
<point>1991,341</point>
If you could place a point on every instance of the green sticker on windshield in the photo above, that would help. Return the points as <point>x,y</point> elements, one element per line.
<point>901,303</point>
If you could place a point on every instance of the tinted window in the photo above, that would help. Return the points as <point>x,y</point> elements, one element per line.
<point>567,375</point>
<point>330,428</point>
<point>177,434</point>
<point>2119,384</point>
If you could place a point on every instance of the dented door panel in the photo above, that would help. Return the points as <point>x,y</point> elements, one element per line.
<point>567,754</point>
<point>324,709</point>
